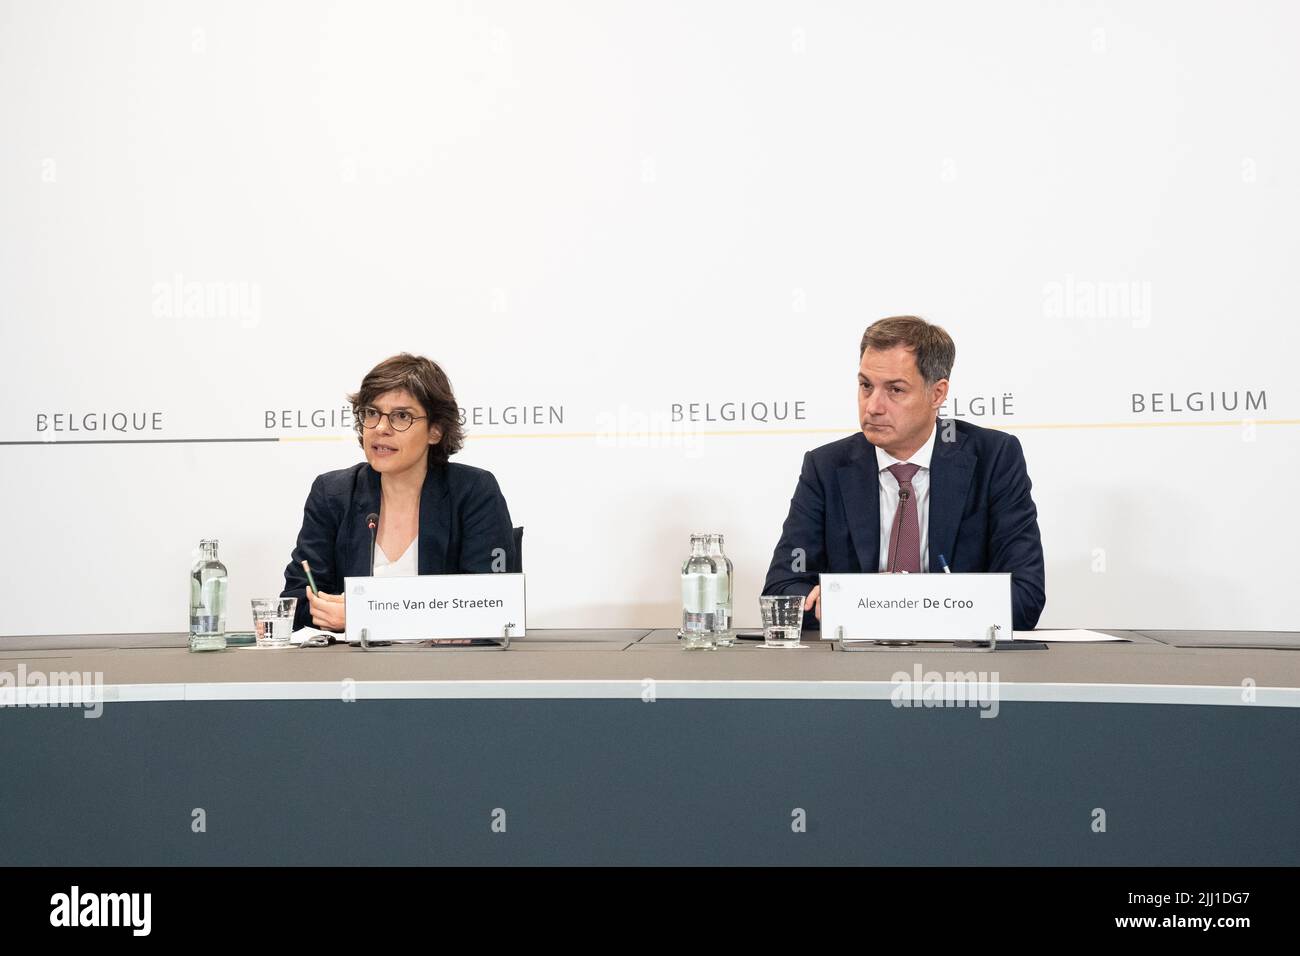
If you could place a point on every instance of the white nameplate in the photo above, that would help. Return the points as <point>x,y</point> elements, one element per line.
<point>429,606</point>
<point>916,607</point>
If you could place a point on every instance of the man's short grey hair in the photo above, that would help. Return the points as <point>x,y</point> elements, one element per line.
<point>934,348</point>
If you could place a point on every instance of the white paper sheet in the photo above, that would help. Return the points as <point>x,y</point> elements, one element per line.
<point>303,633</point>
<point>1066,637</point>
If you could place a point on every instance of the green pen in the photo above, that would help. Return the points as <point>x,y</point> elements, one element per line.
<point>310,580</point>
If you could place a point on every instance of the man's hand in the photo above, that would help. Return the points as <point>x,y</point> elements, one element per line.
<point>813,601</point>
<point>326,610</point>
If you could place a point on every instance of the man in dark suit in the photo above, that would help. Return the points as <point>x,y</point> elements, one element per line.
<point>910,490</point>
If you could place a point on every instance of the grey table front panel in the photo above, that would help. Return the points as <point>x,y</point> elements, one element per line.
<point>561,735</point>
<point>664,782</point>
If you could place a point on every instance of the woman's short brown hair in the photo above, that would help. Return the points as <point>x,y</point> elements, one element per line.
<point>429,385</point>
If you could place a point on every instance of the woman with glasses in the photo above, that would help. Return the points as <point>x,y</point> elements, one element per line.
<point>434,517</point>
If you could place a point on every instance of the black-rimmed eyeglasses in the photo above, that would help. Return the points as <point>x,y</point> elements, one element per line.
<point>400,418</point>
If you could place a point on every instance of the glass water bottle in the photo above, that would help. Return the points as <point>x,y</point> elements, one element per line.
<point>699,597</point>
<point>723,629</point>
<point>208,600</point>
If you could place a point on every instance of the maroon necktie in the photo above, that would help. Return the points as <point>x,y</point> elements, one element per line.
<point>905,532</point>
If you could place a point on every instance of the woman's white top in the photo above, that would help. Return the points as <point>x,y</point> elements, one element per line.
<point>408,565</point>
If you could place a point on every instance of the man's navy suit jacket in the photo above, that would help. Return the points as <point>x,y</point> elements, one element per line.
<point>463,519</point>
<point>982,517</point>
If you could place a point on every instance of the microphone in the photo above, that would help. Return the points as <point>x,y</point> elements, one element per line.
<point>372,522</point>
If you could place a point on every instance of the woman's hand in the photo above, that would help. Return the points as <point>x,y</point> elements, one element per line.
<point>326,610</point>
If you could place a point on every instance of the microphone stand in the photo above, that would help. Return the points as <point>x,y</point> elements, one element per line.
<point>372,522</point>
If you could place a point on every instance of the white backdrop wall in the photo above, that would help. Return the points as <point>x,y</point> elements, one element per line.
<point>218,216</point>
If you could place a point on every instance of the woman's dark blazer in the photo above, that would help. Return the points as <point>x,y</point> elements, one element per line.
<point>463,521</point>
